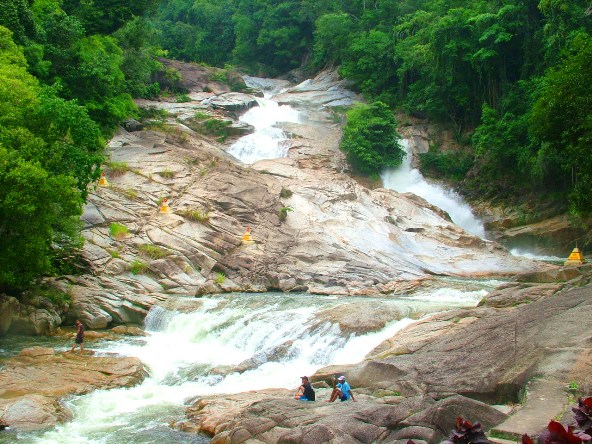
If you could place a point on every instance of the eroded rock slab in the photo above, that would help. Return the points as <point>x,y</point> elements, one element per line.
<point>272,416</point>
<point>32,383</point>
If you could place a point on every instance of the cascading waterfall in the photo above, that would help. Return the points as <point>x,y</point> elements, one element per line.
<point>267,141</point>
<point>406,179</point>
<point>231,344</point>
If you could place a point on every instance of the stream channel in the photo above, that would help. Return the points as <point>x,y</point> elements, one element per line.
<point>281,336</point>
<point>284,336</point>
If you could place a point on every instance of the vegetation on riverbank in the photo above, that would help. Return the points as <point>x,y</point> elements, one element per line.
<point>68,72</point>
<point>508,77</point>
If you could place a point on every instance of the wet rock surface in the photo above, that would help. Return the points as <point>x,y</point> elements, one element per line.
<point>414,385</point>
<point>33,382</point>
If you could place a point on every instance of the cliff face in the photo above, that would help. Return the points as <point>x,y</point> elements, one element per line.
<point>314,228</point>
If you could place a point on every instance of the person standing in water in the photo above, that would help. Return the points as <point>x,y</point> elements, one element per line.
<point>79,337</point>
<point>305,392</point>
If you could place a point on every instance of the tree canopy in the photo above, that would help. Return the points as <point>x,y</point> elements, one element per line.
<point>65,84</point>
<point>370,139</point>
<point>485,69</point>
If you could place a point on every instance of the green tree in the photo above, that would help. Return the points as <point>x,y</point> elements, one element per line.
<point>370,60</point>
<point>36,210</point>
<point>562,119</point>
<point>107,16</point>
<point>50,150</point>
<point>18,17</point>
<point>370,139</point>
<point>331,38</point>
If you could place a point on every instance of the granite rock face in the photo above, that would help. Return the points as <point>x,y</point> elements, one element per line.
<point>339,236</point>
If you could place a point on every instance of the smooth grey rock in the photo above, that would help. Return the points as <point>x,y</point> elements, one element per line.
<point>232,101</point>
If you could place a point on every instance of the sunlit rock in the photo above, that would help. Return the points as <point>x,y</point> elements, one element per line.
<point>32,383</point>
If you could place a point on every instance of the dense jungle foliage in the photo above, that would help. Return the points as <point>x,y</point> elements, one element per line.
<point>511,78</point>
<point>68,70</point>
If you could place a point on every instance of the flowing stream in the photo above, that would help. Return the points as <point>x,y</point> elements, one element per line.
<point>276,338</point>
<point>406,179</point>
<point>241,342</point>
<point>268,141</point>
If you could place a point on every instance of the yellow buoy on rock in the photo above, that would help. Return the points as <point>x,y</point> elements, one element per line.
<point>247,238</point>
<point>103,180</point>
<point>164,206</point>
<point>575,258</point>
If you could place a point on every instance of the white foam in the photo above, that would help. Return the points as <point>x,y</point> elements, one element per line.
<point>267,141</point>
<point>406,179</point>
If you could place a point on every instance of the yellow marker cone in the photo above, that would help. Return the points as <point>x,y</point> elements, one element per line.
<point>247,238</point>
<point>575,258</point>
<point>164,206</point>
<point>103,180</point>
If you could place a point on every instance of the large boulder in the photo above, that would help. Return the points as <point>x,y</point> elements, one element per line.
<point>32,382</point>
<point>33,412</point>
<point>35,321</point>
<point>232,101</point>
<point>485,353</point>
<point>272,416</point>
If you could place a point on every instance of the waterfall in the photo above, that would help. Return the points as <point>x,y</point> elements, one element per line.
<point>406,179</point>
<point>230,344</point>
<point>267,141</point>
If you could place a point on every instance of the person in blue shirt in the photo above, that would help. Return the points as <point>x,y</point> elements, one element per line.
<point>342,391</point>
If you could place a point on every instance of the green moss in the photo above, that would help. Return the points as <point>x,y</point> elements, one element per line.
<point>118,231</point>
<point>153,251</point>
<point>283,213</point>
<point>196,215</point>
<point>51,294</point>
<point>131,194</point>
<point>117,168</point>
<point>138,267</point>
<point>285,193</point>
<point>167,174</point>
<point>182,98</point>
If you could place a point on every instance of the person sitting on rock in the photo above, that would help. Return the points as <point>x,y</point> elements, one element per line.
<point>79,337</point>
<point>342,390</point>
<point>305,392</point>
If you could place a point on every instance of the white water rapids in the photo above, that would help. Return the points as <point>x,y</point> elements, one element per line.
<point>282,336</point>
<point>276,338</point>
<point>267,141</point>
<point>406,179</point>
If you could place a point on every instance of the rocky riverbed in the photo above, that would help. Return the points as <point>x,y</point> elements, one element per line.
<point>470,363</point>
<point>33,383</point>
<point>335,236</point>
<point>338,237</point>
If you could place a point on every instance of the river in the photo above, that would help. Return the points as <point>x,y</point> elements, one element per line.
<point>191,351</point>
<point>239,342</point>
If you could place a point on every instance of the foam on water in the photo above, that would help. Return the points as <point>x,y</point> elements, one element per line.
<point>537,257</point>
<point>406,179</point>
<point>267,141</point>
<point>282,336</point>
